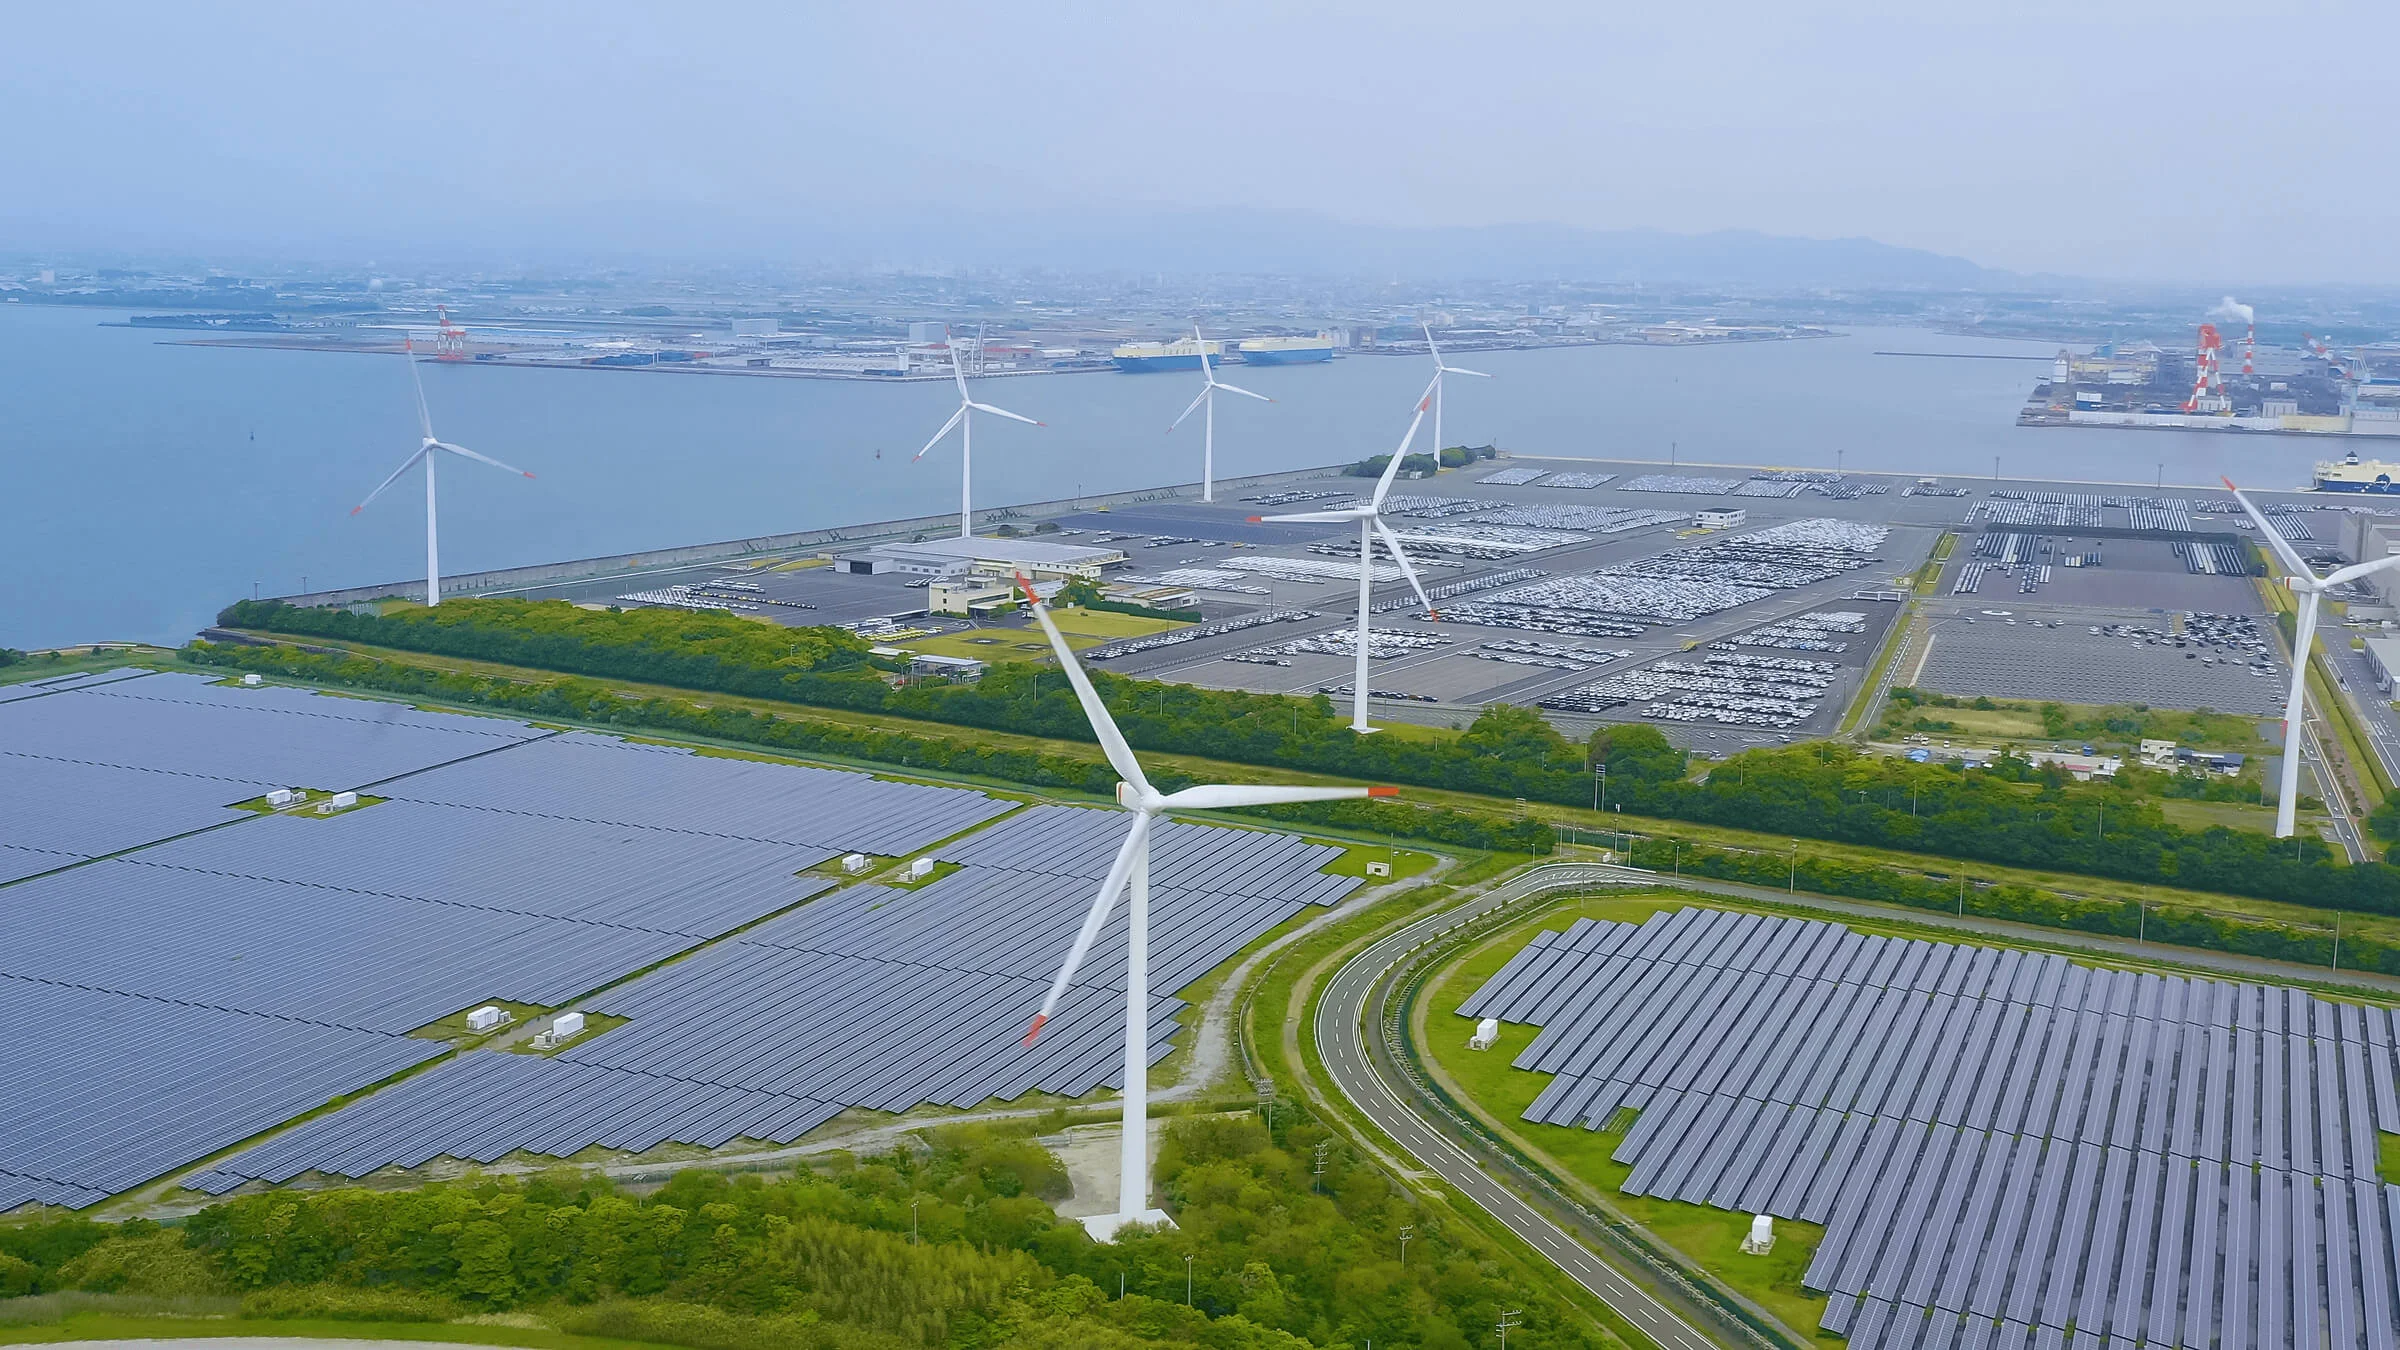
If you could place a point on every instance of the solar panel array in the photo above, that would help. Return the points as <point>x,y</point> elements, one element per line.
<point>870,997</point>
<point>579,776</point>
<point>114,764</point>
<point>2001,1145</point>
<point>172,1001</point>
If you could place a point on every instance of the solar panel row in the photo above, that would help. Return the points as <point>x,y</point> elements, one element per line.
<point>485,1105</point>
<point>578,776</point>
<point>196,992</point>
<point>870,997</point>
<point>1970,1122</point>
<point>102,1091</point>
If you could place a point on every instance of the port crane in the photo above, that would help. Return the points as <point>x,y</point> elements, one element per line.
<point>450,340</point>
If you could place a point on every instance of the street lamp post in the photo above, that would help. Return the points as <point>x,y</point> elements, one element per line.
<point>1791,883</point>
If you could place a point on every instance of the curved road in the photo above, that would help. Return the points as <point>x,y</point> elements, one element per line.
<point>1341,1040</point>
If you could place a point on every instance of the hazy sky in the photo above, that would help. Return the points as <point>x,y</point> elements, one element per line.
<point>2193,141</point>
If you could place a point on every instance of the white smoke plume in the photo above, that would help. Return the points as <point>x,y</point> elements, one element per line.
<point>2230,308</point>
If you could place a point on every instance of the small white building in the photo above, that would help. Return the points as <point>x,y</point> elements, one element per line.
<point>1761,1238</point>
<point>281,797</point>
<point>2157,754</point>
<point>920,869</point>
<point>1721,517</point>
<point>566,1026</point>
<point>487,1018</point>
<point>855,863</point>
<point>1487,1034</point>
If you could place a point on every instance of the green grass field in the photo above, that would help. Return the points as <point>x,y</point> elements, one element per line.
<point>1353,862</point>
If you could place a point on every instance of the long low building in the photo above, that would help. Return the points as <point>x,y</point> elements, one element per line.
<point>1040,559</point>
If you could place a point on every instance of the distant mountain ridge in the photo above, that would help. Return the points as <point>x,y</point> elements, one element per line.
<point>1303,243</point>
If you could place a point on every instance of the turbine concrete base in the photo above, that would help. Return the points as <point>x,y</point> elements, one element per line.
<point>1103,1227</point>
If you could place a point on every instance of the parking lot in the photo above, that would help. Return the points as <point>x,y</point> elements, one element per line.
<point>2052,655</point>
<point>1556,576</point>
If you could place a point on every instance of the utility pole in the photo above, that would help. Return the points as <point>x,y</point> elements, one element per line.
<point>2337,941</point>
<point>912,1221</point>
<point>1599,785</point>
<point>1187,1280</point>
<point>1514,1317</point>
<point>1316,1165</point>
<point>1407,1231</point>
<point>1792,882</point>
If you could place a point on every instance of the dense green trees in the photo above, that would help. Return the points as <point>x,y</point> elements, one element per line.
<point>1281,1258</point>
<point>2009,812</point>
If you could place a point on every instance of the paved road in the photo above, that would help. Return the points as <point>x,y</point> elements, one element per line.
<point>1341,1039</point>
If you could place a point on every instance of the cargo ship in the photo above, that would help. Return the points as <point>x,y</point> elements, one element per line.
<point>1287,351</point>
<point>1183,354</point>
<point>2353,474</point>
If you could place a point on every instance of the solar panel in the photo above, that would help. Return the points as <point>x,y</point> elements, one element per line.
<point>2113,1119</point>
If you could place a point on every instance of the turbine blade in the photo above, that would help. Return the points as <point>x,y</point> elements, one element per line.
<point>408,349</point>
<point>1197,400</point>
<point>405,466</point>
<point>1429,346</point>
<point>1462,370</point>
<point>1235,389</point>
<point>937,436</point>
<point>479,457</point>
<point>1391,471</point>
<point>2282,546</point>
<point>1003,412</point>
<point>1104,727</point>
<point>1094,919</point>
<point>958,369</point>
<point>1202,343</point>
<point>2360,569</point>
<point>1407,568</point>
<point>1211,796</point>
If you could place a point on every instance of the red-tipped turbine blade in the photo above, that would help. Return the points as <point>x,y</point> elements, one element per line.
<point>1036,1028</point>
<point>1258,520</point>
<point>1383,792</point>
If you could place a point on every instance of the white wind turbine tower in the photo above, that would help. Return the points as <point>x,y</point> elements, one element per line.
<point>424,451</point>
<point>1441,368</point>
<point>1369,515</point>
<point>2306,584</point>
<point>964,420</point>
<point>1131,873</point>
<point>1209,385</point>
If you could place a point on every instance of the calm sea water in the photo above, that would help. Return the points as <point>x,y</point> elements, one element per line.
<point>144,484</point>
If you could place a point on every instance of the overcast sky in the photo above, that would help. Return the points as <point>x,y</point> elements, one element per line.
<point>2191,141</point>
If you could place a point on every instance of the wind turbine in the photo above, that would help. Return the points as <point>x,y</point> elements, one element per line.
<point>1369,515</point>
<point>2306,584</point>
<point>1441,368</point>
<point>964,420</point>
<point>425,449</point>
<point>1131,873</point>
<point>1209,385</point>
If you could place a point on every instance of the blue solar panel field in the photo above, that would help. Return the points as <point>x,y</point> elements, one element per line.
<point>869,997</point>
<point>2002,1145</point>
<point>203,974</point>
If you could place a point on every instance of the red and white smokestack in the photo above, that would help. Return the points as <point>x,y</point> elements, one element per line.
<point>2249,349</point>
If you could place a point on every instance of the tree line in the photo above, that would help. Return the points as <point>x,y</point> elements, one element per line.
<point>2008,812</point>
<point>950,1243</point>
